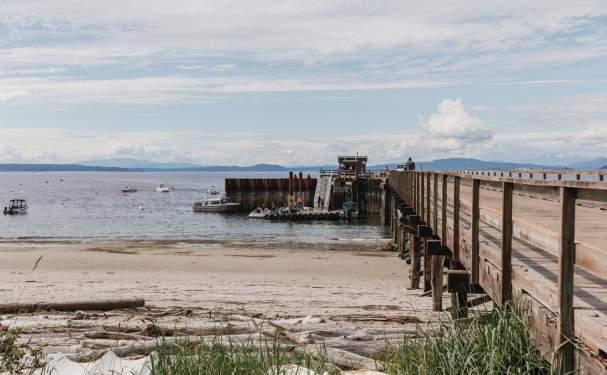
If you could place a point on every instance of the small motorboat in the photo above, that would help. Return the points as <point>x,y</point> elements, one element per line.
<point>15,207</point>
<point>129,189</point>
<point>260,213</point>
<point>162,188</point>
<point>349,211</point>
<point>216,204</point>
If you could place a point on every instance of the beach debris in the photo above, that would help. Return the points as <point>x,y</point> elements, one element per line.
<point>104,305</point>
<point>340,357</point>
<point>294,370</point>
<point>110,363</point>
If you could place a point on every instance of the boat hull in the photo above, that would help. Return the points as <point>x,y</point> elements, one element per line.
<point>230,207</point>
<point>15,211</point>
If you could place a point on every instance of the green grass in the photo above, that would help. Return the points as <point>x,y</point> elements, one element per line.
<point>495,342</point>
<point>498,342</point>
<point>220,358</point>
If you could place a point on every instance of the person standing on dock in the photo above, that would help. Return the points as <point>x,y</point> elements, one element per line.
<point>409,165</point>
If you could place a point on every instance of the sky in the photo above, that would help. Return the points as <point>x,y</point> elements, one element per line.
<point>297,82</point>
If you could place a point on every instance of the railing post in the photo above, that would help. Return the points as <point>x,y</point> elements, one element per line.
<point>417,191</point>
<point>506,284</point>
<point>475,230</point>
<point>409,186</point>
<point>456,255</point>
<point>422,198</point>
<point>435,202</point>
<point>566,271</point>
<point>428,209</point>
<point>444,211</point>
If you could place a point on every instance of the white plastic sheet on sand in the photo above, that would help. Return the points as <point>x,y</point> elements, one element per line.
<point>110,364</point>
<point>106,365</point>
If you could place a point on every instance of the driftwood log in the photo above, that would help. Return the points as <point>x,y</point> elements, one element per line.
<point>147,347</point>
<point>105,305</point>
<point>340,357</point>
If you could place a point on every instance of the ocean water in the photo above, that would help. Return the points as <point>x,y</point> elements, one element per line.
<point>91,206</point>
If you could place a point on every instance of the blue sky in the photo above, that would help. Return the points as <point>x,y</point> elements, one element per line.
<point>292,82</point>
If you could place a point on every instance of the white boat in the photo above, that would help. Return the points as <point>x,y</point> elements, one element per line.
<point>129,189</point>
<point>216,204</point>
<point>162,188</point>
<point>16,207</point>
<point>260,213</point>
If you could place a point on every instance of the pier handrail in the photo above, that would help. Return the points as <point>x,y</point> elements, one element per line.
<point>530,173</point>
<point>414,188</point>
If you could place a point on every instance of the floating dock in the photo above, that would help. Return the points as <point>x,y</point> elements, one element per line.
<point>307,216</point>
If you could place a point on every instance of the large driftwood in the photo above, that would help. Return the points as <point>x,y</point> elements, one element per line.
<point>109,335</point>
<point>105,305</point>
<point>147,347</point>
<point>340,357</point>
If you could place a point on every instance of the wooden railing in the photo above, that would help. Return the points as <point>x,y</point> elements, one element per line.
<point>416,203</point>
<point>538,174</point>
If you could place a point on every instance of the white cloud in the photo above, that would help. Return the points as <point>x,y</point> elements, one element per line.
<point>453,126</point>
<point>167,89</point>
<point>11,95</point>
<point>468,37</point>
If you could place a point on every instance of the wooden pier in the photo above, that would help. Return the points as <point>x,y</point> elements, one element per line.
<point>534,235</point>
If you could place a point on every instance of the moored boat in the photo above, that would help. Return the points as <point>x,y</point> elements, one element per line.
<point>216,204</point>
<point>16,207</point>
<point>129,189</point>
<point>349,211</point>
<point>260,213</point>
<point>162,188</point>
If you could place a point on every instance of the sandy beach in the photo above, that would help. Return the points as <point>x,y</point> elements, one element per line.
<point>294,281</point>
<point>191,284</point>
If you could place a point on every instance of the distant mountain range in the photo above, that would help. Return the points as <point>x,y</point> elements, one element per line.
<point>135,165</point>
<point>146,165</point>
<point>598,163</point>
<point>468,163</point>
<point>131,163</point>
<point>57,168</point>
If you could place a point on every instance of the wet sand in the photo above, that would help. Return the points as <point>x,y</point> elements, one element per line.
<point>299,280</point>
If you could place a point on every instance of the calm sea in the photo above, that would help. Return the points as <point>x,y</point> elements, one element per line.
<point>90,205</point>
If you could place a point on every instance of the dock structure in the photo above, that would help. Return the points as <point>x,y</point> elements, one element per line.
<point>271,192</point>
<point>499,235</point>
<point>350,182</point>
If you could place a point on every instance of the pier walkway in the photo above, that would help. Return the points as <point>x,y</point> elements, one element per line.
<point>539,238</point>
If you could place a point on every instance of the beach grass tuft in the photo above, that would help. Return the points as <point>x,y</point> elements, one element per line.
<point>496,342</point>
<point>219,357</point>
